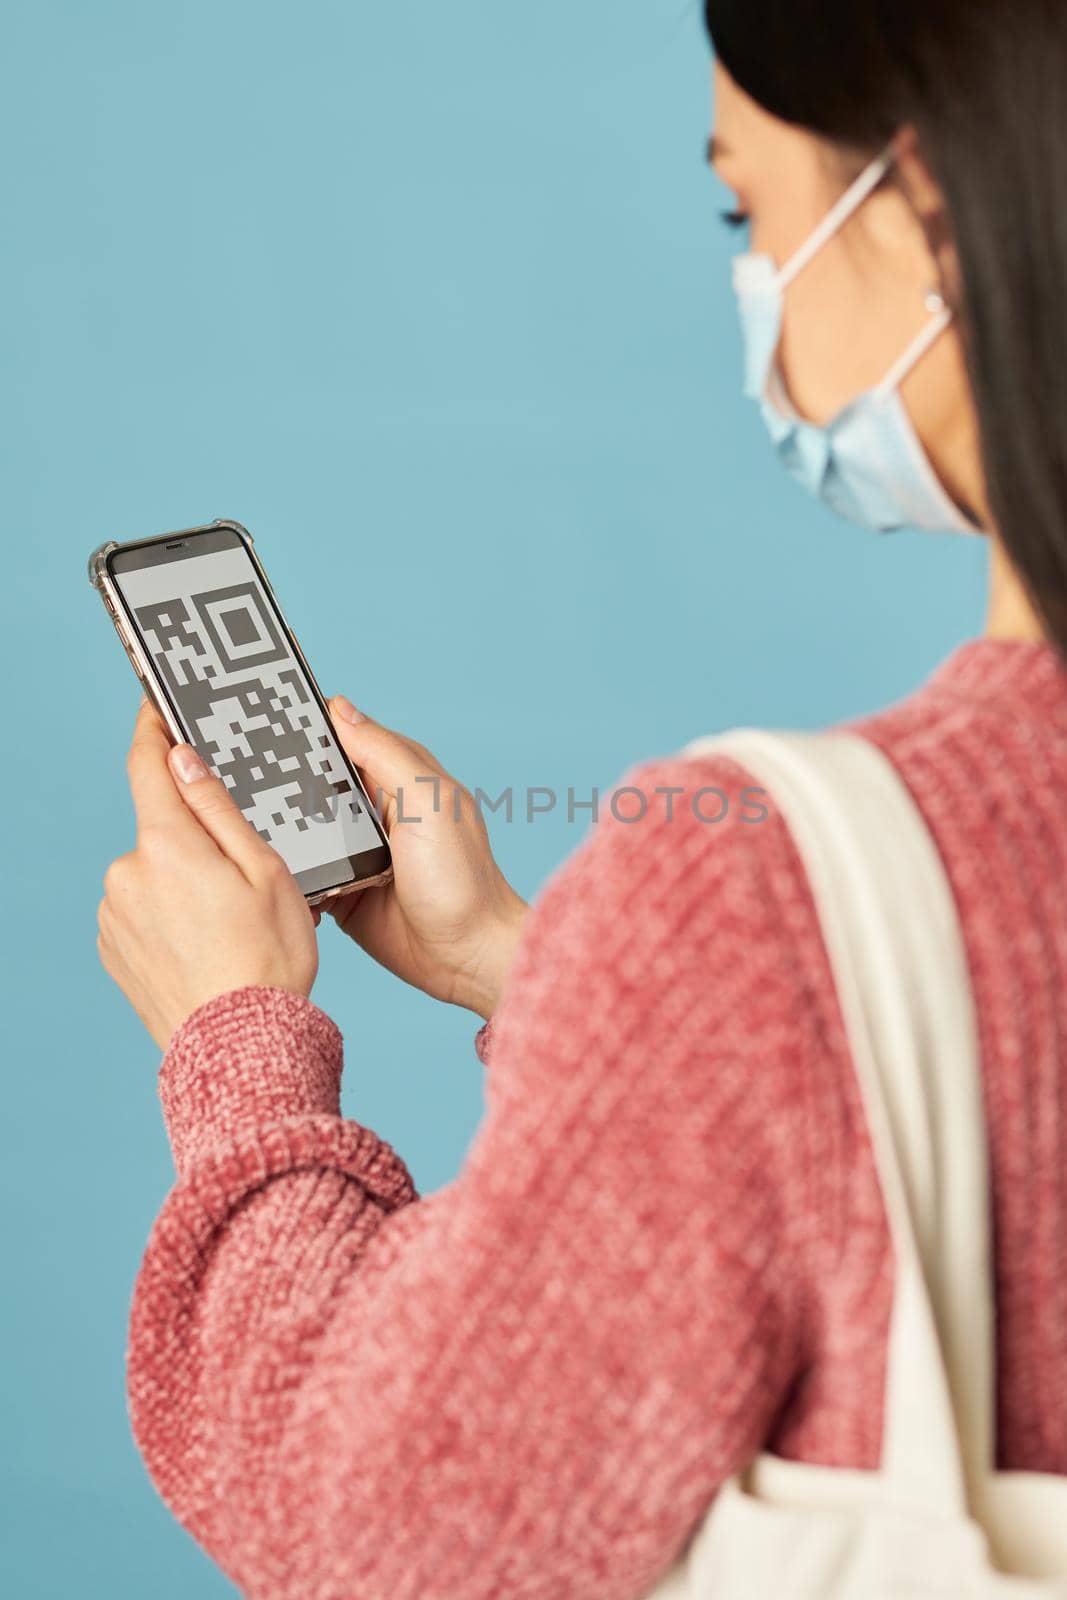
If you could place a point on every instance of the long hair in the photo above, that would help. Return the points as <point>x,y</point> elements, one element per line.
<point>983,83</point>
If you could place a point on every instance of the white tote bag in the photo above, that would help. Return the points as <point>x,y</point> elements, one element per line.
<point>936,1519</point>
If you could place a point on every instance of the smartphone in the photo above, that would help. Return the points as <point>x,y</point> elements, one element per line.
<point>208,640</point>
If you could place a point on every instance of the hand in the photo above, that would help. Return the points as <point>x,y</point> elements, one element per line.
<point>203,904</point>
<point>449,922</point>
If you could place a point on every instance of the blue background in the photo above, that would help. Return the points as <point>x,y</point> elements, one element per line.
<point>433,298</point>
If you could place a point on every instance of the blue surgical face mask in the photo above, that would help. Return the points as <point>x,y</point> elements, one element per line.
<point>867,464</point>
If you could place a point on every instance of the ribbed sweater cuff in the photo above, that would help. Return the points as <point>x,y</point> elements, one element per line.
<point>248,1058</point>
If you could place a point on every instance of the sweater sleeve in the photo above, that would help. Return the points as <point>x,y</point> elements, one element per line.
<point>529,1384</point>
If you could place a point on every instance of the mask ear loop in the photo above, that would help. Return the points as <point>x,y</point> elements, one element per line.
<point>900,369</point>
<point>918,347</point>
<point>838,215</point>
<point>835,218</point>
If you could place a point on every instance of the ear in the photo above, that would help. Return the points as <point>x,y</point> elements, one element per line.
<point>928,202</point>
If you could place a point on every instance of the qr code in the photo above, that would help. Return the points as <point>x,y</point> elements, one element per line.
<point>233,678</point>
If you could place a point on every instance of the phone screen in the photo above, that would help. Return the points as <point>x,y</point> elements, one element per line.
<point>241,695</point>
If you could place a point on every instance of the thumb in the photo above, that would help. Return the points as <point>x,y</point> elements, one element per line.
<point>387,760</point>
<point>211,803</point>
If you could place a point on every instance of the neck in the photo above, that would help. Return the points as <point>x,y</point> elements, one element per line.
<point>1010,614</point>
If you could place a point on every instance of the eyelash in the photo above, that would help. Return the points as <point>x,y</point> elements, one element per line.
<point>734,219</point>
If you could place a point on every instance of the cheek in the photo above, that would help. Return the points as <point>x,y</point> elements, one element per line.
<point>823,318</point>
<point>818,357</point>
<point>841,335</point>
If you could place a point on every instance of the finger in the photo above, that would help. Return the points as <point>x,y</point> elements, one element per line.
<point>155,801</point>
<point>344,906</point>
<point>387,760</point>
<point>209,801</point>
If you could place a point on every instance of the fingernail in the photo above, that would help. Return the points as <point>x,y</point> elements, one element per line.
<point>187,763</point>
<point>346,709</point>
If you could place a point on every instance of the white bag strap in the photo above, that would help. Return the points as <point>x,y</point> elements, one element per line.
<point>891,931</point>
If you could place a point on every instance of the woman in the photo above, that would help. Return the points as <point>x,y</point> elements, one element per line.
<point>667,1249</point>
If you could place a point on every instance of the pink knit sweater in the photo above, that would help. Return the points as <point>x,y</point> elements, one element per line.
<point>667,1246</point>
